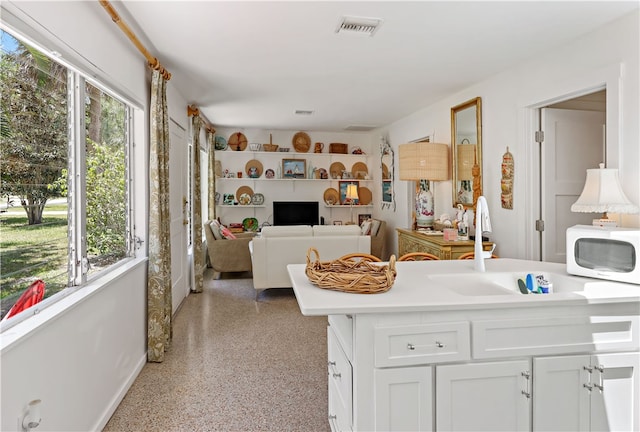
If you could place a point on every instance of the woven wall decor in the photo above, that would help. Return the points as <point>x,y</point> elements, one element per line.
<point>506,183</point>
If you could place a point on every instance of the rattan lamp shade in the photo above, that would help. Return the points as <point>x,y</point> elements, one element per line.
<point>429,161</point>
<point>465,159</point>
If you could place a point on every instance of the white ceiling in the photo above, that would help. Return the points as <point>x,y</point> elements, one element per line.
<point>252,64</point>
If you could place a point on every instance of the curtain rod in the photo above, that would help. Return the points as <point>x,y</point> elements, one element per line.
<point>153,62</point>
<point>193,110</point>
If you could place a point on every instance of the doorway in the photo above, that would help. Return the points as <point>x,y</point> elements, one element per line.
<point>574,140</point>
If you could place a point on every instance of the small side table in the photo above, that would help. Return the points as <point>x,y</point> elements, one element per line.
<point>416,241</point>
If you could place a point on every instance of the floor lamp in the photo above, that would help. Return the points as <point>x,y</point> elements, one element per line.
<point>352,195</point>
<point>424,161</point>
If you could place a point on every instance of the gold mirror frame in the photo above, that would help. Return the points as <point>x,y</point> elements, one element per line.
<point>466,148</point>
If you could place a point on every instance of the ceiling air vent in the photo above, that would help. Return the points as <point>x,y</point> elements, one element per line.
<point>360,128</point>
<point>358,25</point>
<point>304,112</point>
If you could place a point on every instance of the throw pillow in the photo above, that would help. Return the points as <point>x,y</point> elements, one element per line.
<point>226,233</point>
<point>366,227</point>
<point>375,226</point>
<point>215,229</point>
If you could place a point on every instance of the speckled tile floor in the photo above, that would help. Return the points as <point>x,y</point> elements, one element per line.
<point>235,365</point>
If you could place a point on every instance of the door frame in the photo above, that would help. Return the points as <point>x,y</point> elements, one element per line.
<point>608,78</point>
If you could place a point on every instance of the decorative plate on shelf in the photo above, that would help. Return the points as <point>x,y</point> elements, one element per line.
<point>253,168</point>
<point>220,143</point>
<point>331,197</point>
<point>365,195</point>
<point>301,142</point>
<point>237,141</point>
<point>336,170</point>
<point>359,170</point>
<point>257,199</point>
<point>250,224</point>
<point>245,199</point>
<point>244,190</point>
<point>269,173</point>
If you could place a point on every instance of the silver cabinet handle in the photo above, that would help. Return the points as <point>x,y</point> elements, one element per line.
<point>526,394</point>
<point>588,386</point>
<point>439,344</point>
<point>411,347</point>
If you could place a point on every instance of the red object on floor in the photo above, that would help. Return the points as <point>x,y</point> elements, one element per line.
<point>31,296</point>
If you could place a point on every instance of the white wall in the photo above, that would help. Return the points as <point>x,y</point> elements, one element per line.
<point>593,60</point>
<point>81,355</point>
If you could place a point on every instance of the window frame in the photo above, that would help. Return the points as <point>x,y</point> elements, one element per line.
<point>134,126</point>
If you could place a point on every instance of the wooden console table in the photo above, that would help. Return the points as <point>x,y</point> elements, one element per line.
<point>415,241</point>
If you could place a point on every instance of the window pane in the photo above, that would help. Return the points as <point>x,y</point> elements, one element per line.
<point>33,167</point>
<point>106,204</point>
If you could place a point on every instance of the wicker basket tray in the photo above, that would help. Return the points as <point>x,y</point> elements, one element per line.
<point>270,147</point>
<point>351,276</point>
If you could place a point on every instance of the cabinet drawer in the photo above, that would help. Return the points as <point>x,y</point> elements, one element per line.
<point>340,385</point>
<point>421,344</point>
<point>554,335</point>
<point>343,328</point>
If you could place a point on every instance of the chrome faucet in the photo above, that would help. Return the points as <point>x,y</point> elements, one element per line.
<point>483,224</point>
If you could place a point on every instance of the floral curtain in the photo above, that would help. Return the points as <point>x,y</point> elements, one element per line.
<point>159,326</point>
<point>198,258</point>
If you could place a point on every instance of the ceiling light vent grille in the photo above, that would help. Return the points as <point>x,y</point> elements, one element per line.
<point>360,128</point>
<point>360,26</point>
<point>304,112</point>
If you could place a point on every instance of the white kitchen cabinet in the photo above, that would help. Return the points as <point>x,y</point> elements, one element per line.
<point>404,399</point>
<point>586,393</point>
<point>423,356</point>
<point>484,396</point>
<point>340,385</point>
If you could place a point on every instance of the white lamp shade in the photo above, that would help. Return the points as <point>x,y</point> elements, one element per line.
<point>602,193</point>
<point>352,192</point>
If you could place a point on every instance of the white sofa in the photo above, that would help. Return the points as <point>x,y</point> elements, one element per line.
<point>278,246</point>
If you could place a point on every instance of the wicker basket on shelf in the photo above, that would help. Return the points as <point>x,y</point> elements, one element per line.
<point>351,276</point>
<point>270,147</point>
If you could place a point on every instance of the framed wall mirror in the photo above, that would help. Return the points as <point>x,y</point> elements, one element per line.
<point>386,164</point>
<point>466,146</point>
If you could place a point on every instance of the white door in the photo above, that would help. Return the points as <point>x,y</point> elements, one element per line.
<point>574,141</point>
<point>404,399</point>
<point>178,195</point>
<point>616,407</point>
<point>560,398</point>
<point>484,396</point>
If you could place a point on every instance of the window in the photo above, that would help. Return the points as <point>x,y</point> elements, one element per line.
<point>65,183</point>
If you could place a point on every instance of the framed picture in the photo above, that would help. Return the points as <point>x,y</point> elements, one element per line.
<point>363,217</point>
<point>294,168</point>
<point>387,191</point>
<point>337,222</point>
<point>343,191</point>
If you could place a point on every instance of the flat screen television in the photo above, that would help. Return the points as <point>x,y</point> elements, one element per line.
<point>296,213</point>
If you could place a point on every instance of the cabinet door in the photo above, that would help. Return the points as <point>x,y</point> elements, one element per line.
<point>404,399</point>
<point>561,393</point>
<point>615,393</point>
<point>483,396</point>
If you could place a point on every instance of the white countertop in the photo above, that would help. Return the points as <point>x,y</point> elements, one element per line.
<point>455,285</point>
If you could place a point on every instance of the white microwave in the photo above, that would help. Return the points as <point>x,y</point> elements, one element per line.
<point>610,253</point>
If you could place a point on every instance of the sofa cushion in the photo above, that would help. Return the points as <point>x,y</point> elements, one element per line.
<point>336,230</point>
<point>287,231</point>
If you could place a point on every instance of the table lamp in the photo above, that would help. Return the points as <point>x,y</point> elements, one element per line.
<point>603,193</point>
<point>352,195</point>
<point>424,161</point>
